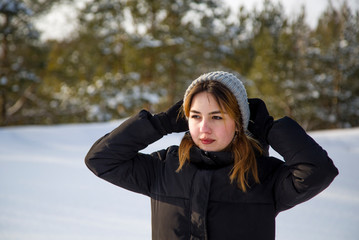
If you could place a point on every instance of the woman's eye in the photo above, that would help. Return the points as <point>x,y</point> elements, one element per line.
<point>195,116</point>
<point>217,117</point>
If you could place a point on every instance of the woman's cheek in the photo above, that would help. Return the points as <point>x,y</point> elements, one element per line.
<point>194,131</point>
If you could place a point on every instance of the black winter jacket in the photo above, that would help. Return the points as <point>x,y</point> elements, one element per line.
<point>199,202</point>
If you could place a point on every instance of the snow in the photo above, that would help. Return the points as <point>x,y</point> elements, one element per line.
<point>47,193</point>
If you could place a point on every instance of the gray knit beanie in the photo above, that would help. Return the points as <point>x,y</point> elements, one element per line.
<point>233,84</point>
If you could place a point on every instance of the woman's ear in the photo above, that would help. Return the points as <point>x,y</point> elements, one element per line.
<point>237,128</point>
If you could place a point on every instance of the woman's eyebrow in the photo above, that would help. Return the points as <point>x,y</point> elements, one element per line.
<point>216,112</point>
<point>211,113</point>
<point>195,111</point>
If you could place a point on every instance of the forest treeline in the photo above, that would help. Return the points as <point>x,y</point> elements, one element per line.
<point>129,55</point>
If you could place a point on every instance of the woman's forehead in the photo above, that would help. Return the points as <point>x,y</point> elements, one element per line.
<point>206,101</point>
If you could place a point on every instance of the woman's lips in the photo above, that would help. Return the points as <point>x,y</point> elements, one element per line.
<point>206,141</point>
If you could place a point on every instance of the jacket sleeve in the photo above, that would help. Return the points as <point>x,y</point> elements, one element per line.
<point>115,157</point>
<point>307,170</point>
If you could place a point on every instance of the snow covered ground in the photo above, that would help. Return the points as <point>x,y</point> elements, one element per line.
<point>47,193</point>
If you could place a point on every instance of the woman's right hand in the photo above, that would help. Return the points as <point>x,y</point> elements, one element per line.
<point>171,120</point>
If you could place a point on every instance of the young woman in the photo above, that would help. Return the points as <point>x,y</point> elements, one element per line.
<point>220,182</point>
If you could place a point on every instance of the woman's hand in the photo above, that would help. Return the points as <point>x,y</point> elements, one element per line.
<point>260,121</point>
<point>171,120</point>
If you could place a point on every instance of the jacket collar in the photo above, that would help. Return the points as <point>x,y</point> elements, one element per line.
<point>210,160</point>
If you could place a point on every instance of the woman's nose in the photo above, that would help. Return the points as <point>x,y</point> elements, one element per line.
<point>204,126</point>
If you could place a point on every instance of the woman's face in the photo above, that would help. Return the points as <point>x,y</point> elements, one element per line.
<point>210,129</point>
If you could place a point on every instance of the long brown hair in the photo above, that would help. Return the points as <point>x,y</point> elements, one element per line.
<point>243,147</point>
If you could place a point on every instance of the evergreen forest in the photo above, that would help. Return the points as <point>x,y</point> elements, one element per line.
<point>126,55</point>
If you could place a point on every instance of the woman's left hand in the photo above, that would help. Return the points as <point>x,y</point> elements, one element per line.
<point>260,121</point>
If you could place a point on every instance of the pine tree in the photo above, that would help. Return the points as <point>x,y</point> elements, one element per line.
<point>268,69</point>
<point>17,80</point>
<point>137,54</point>
<point>336,67</point>
<point>21,59</point>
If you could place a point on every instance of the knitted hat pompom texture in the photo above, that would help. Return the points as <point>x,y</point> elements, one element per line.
<point>233,84</point>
